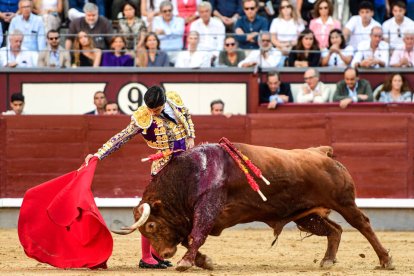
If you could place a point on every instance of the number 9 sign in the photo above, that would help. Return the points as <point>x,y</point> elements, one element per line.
<point>130,97</point>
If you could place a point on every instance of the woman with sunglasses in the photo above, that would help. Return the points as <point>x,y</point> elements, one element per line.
<point>323,22</point>
<point>338,54</point>
<point>306,53</point>
<point>286,28</point>
<point>232,55</point>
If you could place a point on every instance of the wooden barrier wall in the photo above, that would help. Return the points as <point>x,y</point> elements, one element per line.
<point>376,147</point>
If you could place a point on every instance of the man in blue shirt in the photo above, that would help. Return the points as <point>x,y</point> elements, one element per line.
<point>227,11</point>
<point>31,25</point>
<point>250,25</point>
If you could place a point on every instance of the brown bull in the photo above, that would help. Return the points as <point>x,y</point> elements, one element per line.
<point>203,191</point>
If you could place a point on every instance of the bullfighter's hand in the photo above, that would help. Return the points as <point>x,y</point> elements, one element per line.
<point>190,143</point>
<point>88,158</point>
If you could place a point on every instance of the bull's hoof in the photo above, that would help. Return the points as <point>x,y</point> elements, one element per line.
<point>387,265</point>
<point>183,265</point>
<point>204,262</point>
<point>326,263</point>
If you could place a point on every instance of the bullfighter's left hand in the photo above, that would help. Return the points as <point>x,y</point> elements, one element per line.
<point>190,143</point>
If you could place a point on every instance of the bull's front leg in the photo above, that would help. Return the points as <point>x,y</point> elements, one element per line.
<point>205,213</point>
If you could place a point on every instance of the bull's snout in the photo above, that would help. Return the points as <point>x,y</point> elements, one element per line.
<point>168,252</point>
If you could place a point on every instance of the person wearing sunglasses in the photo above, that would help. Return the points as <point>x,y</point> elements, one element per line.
<point>55,55</point>
<point>231,55</point>
<point>169,28</point>
<point>396,26</point>
<point>249,26</point>
<point>323,22</point>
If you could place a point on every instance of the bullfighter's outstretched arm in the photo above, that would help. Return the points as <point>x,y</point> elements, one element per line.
<point>118,140</point>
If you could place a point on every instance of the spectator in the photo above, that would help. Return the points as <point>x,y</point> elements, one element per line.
<point>93,24</point>
<point>397,25</point>
<point>269,9</point>
<point>359,26</point>
<point>313,90</point>
<point>169,28</point>
<point>16,105</point>
<point>186,9</point>
<point>265,57</point>
<point>150,9</point>
<point>111,108</point>
<point>50,12</point>
<point>337,54</point>
<point>15,55</point>
<point>304,9</point>
<point>217,107</point>
<point>211,30</point>
<point>152,56</point>
<point>131,26</point>
<point>118,55</point>
<point>31,25</point>
<point>373,53</point>
<point>8,10</point>
<point>352,89</point>
<point>76,8</point>
<point>306,53</point>
<point>231,56</point>
<point>99,100</point>
<point>323,23</point>
<point>55,55</point>
<point>117,8</point>
<point>395,90</point>
<point>286,28</point>
<point>228,12</point>
<point>85,53</point>
<point>404,55</point>
<point>192,58</point>
<point>249,26</point>
<point>274,91</point>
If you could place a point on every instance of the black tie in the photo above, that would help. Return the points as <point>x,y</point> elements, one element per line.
<point>165,115</point>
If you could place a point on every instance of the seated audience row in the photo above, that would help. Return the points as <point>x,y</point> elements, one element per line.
<point>351,89</point>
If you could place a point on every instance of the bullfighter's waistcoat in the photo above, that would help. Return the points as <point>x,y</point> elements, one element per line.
<point>159,133</point>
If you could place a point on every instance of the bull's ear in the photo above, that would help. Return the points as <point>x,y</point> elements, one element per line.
<point>150,227</point>
<point>156,205</point>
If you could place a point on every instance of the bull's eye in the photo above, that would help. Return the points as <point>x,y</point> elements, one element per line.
<point>150,227</point>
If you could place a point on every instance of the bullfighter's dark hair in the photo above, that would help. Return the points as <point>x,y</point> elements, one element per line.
<point>17,97</point>
<point>154,97</point>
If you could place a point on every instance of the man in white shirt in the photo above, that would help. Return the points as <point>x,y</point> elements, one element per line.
<point>396,26</point>
<point>16,105</point>
<point>359,26</point>
<point>193,58</point>
<point>313,90</point>
<point>211,30</point>
<point>14,55</point>
<point>169,28</point>
<point>266,57</point>
<point>31,25</point>
<point>404,55</point>
<point>373,53</point>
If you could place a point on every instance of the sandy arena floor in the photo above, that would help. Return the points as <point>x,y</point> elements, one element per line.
<point>237,252</point>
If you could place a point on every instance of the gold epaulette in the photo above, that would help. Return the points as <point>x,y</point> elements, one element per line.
<point>175,99</point>
<point>142,117</point>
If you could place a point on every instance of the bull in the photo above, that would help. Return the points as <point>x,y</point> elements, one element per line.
<point>202,192</point>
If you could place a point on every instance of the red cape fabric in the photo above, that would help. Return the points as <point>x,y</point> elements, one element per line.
<point>59,222</point>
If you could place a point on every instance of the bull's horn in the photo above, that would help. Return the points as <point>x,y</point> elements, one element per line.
<point>145,211</point>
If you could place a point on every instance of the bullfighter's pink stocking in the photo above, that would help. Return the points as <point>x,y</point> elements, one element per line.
<point>146,251</point>
<point>154,253</point>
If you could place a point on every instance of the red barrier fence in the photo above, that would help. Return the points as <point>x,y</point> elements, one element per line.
<point>376,147</point>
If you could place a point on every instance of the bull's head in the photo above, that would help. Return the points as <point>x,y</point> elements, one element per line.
<point>157,227</point>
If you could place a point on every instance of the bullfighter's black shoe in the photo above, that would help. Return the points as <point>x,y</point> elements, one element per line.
<point>143,264</point>
<point>165,262</point>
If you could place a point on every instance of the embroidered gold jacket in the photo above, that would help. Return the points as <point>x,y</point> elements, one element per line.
<point>159,133</point>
